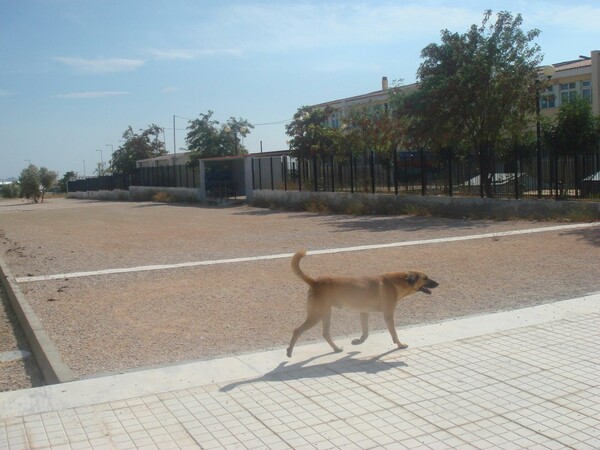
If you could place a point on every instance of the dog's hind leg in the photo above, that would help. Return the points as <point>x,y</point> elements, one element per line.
<point>314,316</point>
<point>364,324</point>
<point>326,331</point>
<point>389,321</point>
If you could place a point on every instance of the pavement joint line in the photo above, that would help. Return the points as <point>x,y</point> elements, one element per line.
<point>30,279</point>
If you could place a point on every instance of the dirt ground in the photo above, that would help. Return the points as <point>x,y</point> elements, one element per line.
<point>112,323</point>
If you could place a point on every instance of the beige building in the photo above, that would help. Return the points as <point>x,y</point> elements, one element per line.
<point>579,77</point>
<point>165,160</point>
<point>372,100</point>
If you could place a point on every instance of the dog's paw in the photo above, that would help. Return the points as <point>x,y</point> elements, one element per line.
<point>338,350</point>
<point>402,346</point>
<point>289,352</point>
<point>357,341</point>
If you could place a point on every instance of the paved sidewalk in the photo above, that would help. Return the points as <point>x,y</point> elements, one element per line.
<point>528,378</point>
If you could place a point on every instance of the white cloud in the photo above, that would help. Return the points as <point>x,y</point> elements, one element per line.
<point>101,65</point>
<point>288,27</point>
<point>188,54</point>
<point>574,18</point>
<point>91,94</point>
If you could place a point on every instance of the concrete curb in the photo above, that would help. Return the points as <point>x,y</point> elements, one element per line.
<point>49,361</point>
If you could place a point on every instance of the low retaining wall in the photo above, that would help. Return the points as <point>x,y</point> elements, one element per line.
<point>474,208</point>
<point>116,195</point>
<point>141,193</point>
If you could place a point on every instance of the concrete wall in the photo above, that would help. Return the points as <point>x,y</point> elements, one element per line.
<point>142,193</point>
<point>475,208</point>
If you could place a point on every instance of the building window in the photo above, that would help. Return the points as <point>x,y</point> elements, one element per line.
<point>568,92</point>
<point>548,99</point>
<point>334,121</point>
<point>586,90</point>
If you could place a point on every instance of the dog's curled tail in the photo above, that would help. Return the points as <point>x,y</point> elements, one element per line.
<point>296,267</point>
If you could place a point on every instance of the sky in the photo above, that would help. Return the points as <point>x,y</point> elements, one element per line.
<point>75,74</point>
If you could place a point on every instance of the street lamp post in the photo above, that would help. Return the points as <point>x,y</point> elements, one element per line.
<point>235,130</point>
<point>101,158</point>
<point>548,72</point>
<point>101,170</point>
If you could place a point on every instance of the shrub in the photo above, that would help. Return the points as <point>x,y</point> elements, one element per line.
<point>162,197</point>
<point>10,190</point>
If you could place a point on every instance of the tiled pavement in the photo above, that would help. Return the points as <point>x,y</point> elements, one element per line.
<point>528,378</point>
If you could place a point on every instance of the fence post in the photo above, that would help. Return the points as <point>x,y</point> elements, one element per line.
<point>516,173</point>
<point>332,175</point>
<point>300,163</point>
<point>450,184</point>
<point>202,181</point>
<point>395,169</point>
<point>315,173</point>
<point>260,173</point>
<point>253,178</point>
<point>481,174</point>
<point>423,183</point>
<point>285,160</point>
<point>351,173</point>
<point>272,184</point>
<point>554,162</point>
<point>372,168</point>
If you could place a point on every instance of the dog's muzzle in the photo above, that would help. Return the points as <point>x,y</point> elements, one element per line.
<point>426,288</point>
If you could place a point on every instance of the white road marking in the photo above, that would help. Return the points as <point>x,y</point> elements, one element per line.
<point>14,355</point>
<point>311,252</point>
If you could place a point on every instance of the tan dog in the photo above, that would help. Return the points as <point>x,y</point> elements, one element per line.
<point>365,294</point>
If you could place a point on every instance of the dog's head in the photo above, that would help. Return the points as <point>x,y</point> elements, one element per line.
<point>419,281</point>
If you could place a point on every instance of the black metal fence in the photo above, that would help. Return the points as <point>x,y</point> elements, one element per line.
<point>162,176</point>
<point>424,173</point>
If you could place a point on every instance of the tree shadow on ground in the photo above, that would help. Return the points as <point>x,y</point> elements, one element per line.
<point>589,235</point>
<point>301,370</point>
<point>402,223</point>
<point>377,223</point>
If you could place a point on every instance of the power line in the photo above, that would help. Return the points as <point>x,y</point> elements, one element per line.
<point>273,123</point>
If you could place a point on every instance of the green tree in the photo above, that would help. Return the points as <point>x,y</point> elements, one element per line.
<point>102,169</point>
<point>474,87</point>
<point>368,128</point>
<point>137,146</point>
<point>233,130</point>
<point>310,134</point>
<point>30,183</point>
<point>35,182</point>
<point>10,190</point>
<point>47,180</point>
<point>207,138</point>
<point>575,130</point>
<point>62,183</point>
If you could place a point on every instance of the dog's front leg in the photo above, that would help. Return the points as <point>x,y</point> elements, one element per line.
<point>326,331</point>
<point>364,324</point>
<point>389,321</point>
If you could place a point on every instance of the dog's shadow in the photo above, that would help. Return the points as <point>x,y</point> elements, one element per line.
<point>347,364</point>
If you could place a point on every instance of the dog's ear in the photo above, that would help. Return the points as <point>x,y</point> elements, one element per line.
<point>412,278</point>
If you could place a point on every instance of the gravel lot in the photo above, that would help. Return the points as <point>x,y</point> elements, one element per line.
<point>112,323</point>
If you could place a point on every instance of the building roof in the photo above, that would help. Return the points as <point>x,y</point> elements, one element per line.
<point>164,157</point>
<point>574,64</point>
